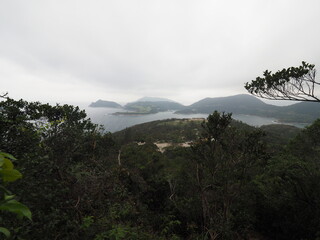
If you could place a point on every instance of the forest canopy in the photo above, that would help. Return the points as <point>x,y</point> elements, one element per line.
<point>234,182</point>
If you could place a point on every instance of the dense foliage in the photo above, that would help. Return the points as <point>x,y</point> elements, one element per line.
<point>8,202</point>
<point>59,152</point>
<point>234,182</point>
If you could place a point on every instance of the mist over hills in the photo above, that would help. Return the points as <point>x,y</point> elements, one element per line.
<point>154,99</point>
<point>304,112</point>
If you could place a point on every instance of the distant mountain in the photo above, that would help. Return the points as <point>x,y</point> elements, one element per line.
<point>154,99</point>
<point>153,107</point>
<point>247,104</point>
<point>299,112</point>
<point>105,104</point>
<point>238,104</point>
<point>307,108</point>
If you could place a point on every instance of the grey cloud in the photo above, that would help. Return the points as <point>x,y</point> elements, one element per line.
<point>186,49</point>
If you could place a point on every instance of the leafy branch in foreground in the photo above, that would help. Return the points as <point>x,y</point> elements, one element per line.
<point>293,83</point>
<point>7,202</point>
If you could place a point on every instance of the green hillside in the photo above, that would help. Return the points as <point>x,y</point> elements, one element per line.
<point>187,130</point>
<point>171,130</point>
<point>278,135</point>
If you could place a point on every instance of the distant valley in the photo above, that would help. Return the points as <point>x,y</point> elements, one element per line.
<point>303,112</point>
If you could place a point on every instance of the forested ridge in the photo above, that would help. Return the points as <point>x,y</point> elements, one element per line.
<point>232,182</point>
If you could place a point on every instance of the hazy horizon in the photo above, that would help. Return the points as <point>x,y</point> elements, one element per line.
<point>86,103</point>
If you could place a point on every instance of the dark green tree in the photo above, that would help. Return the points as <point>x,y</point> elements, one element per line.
<point>65,161</point>
<point>226,160</point>
<point>288,190</point>
<point>289,201</point>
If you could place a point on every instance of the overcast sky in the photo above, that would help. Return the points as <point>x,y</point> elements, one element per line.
<point>121,50</point>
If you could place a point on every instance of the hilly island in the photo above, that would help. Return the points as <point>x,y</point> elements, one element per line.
<point>302,112</point>
<point>106,104</point>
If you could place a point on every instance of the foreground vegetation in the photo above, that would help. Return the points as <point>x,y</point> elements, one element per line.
<point>234,182</point>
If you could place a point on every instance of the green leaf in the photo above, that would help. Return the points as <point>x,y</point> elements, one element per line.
<point>17,208</point>
<point>7,164</point>
<point>1,159</point>
<point>8,197</point>
<point>5,160</point>
<point>7,155</point>
<point>10,175</point>
<point>5,231</point>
